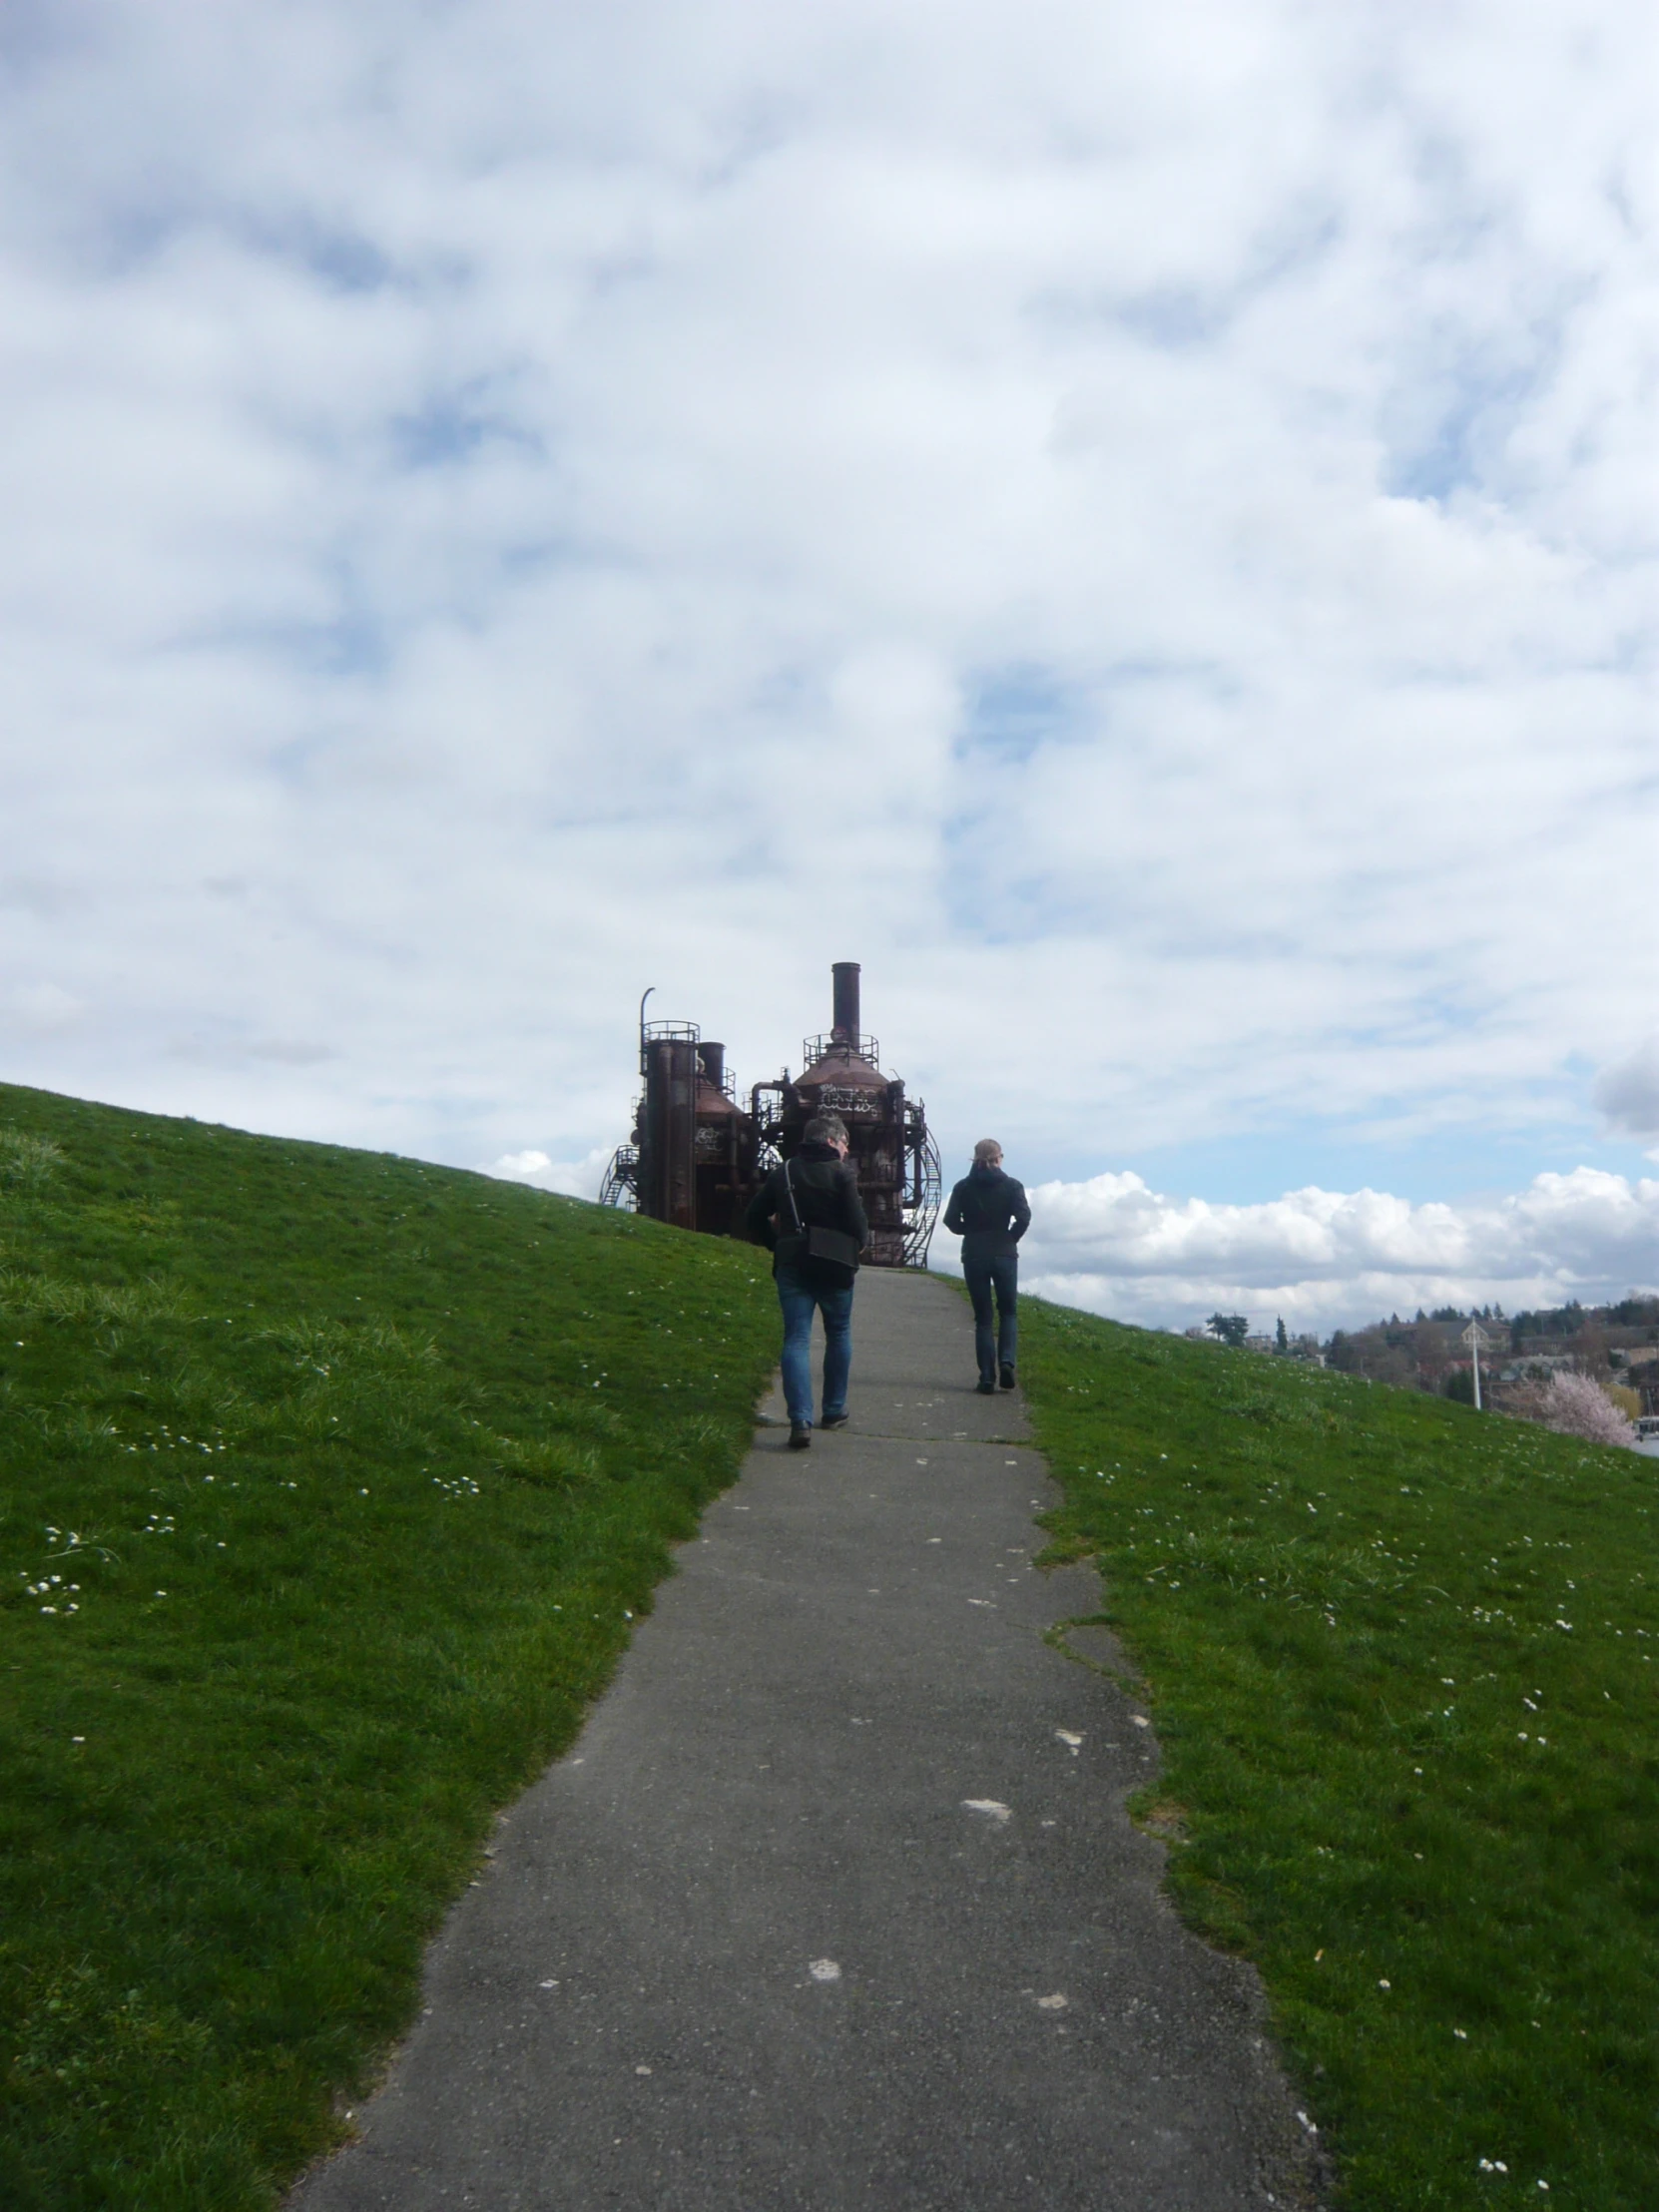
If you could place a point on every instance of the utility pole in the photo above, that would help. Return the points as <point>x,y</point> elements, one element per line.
<point>1478,1340</point>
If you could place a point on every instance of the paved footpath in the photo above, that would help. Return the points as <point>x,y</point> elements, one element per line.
<point>834,1904</point>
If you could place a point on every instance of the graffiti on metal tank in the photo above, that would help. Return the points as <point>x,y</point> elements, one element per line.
<point>697,1154</point>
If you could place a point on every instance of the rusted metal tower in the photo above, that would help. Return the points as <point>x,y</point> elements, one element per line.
<point>888,1140</point>
<point>697,1157</point>
<point>693,1158</point>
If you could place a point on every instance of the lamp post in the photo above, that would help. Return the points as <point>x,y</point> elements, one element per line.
<point>1478,1342</point>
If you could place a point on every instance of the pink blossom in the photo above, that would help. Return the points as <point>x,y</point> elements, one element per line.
<point>1575,1406</point>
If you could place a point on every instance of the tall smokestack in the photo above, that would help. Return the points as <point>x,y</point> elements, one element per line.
<point>845,1025</point>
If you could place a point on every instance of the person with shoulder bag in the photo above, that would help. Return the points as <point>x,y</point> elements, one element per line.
<point>989,1211</point>
<point>809,1212</point>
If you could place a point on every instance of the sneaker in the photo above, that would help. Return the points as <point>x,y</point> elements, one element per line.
<point>834,1421</point>
<point>986,1386</point>
<point>1008,1379</point>
<point>800,1435</point>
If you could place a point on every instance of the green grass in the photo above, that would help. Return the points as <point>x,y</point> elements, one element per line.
<point>352,1472</point>
<point>1395,1778</point>
<point>331,1483</point>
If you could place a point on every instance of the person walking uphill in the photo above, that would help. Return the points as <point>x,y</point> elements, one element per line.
<point>810,1215</point>
<point>988,1212</point>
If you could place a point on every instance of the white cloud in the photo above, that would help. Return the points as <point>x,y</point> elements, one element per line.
<point>1139,526</point>
<point>1326,1258</point>
<point>572,1178</point>
<point>223,1050</point>
<point>45,1006</point>
<point>1628,1093</point>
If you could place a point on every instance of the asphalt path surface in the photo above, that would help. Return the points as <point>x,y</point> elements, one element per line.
<point>835,1903</point>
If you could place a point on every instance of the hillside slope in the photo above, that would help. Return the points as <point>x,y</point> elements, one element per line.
<point>1401,1658</point>
<point>330,1482</point>
<point>328,1485</point>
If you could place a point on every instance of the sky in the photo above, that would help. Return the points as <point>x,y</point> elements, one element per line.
<point>1139,526</point>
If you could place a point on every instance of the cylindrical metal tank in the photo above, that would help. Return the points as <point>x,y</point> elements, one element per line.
<point>726,1147</point>
<point>668,1130</point>
<point>692,1156</point>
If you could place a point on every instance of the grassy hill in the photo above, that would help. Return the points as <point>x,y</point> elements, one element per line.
<point>329,1485</point>
<point>1401,1657</point>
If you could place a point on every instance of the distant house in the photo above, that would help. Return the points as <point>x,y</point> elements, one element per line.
<point>1537,1366</point>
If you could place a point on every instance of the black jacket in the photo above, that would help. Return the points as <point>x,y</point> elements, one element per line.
<point>988,1212</point>
<point>826,1191</point>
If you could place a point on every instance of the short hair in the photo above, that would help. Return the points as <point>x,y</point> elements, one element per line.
<point>824,1129</point>
<point>987,1149</point>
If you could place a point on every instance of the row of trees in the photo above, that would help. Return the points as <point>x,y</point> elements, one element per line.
<point>1598,1396</point>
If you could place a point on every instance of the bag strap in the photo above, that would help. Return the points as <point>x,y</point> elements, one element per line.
<point>795,1203</point>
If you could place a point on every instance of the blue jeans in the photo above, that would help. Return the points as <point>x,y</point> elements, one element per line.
<point>983,1273</point>
<point>799,1296</point>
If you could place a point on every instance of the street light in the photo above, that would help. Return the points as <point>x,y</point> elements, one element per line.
<point>1478,1342</point>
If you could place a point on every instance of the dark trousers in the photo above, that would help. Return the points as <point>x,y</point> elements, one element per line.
<point>983,1273</point>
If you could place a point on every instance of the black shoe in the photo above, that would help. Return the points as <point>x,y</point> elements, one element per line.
<point>1008,1379</point>
<point>834,1421</point>
<point>800,1435</point>
<point>986,1386</point>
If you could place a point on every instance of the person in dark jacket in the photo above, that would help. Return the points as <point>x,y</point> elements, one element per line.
<point>988,1212</point>
<point>814,1188</point>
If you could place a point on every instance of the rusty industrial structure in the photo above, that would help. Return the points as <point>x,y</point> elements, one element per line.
<point>698,1156</point>
<point>694,1159</point>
